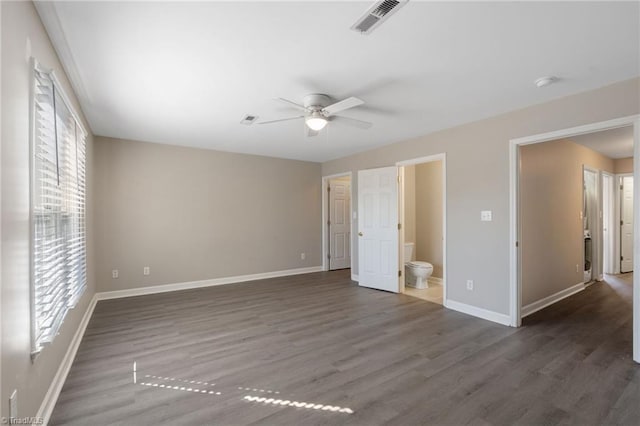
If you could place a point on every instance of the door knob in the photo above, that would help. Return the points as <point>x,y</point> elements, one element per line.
<point>360,233</point>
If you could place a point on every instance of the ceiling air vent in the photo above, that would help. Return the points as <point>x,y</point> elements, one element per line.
<point>376,15</point>
<point>248,120</point>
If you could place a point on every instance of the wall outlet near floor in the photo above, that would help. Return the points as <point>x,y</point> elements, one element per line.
<point>13,404</point>
<point>146,270</point>
<point>303,256</point>
<point>114,274</point>
<point>470,285</point>
<point>486,216</point>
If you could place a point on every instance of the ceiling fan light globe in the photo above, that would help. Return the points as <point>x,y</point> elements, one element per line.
<point>316,123</point>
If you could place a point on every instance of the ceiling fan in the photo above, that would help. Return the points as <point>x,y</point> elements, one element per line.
<point>318,111</point>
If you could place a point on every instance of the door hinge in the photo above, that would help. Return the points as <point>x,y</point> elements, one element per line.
<point>328,255</point>
<point>399,226</point>
<point>517,244</point>
<point>398,177</point>
<point>621,258</point>
<point>328,189</point>
<point>328,222</point>
<point>621,186</point>
<point>399,273</point>
<point>621,223</point>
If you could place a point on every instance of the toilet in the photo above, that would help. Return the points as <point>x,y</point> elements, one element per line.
<point>416,272</point>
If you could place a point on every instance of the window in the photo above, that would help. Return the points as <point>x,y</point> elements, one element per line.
<point>58,248</point>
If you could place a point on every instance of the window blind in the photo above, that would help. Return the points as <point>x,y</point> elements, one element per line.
<point>58,193</point>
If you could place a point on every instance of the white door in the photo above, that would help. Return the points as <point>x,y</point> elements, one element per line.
<point>626,226</point>
<point>339,224</point>
<point>607,217</point>
<point>378,229</point>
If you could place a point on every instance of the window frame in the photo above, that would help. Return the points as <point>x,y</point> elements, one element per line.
<point>36,346</point>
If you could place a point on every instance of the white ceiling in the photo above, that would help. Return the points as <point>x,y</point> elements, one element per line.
<point>186,73</point>
<point>614,143</point>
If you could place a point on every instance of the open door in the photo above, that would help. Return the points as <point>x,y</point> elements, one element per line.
<point>378,229</point>
<point>626,225</point>
<point>339,224</point>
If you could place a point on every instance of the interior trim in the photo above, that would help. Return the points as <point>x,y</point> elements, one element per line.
<point>478,312</point>
<point>550,300</point>
<point>141,291</point>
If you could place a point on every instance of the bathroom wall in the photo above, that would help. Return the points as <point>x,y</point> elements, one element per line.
<point>552,238</point>
<point>623,165</point>
<point>428,177</point>
<point>410,206</point>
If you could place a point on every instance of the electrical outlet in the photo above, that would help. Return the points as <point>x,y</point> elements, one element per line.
<point>114,274</point>
<point>303,256</point>
<point>146,270</point>
<point>470,285</point>
<point>486,216</point>
<point>13,404</point>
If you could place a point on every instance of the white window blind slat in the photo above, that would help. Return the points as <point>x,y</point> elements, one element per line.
<point>58,210</point>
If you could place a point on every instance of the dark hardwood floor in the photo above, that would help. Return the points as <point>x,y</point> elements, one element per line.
<point>253,353</point>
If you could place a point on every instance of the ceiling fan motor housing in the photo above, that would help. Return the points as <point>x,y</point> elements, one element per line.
<point>316,101</point>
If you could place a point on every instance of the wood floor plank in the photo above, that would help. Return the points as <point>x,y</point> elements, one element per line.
<point>298,350</point>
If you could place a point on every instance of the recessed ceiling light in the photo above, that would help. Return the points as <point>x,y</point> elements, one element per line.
<point>545,81</point>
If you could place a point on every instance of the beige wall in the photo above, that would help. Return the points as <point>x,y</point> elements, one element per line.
<point>192,214</point>
<point>409,222</point>
<point>22,36</point>
<point>551,200</point>
<point>623,165</point>
<point>429,215</point>
<point>478,179</point>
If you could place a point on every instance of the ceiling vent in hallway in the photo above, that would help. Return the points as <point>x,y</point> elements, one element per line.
<point>377,14</point>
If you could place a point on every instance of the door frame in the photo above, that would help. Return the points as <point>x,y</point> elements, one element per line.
<point>608,244</point>
<point>421,160</point>
<point>325,218</point>
<point>596,236</point>
<point>515,289</point>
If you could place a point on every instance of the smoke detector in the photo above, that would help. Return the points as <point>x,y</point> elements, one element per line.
<point>376,15</point>
<point>545,81</point>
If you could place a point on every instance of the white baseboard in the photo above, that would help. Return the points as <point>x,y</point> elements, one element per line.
<point>355,278</point>
<point>550,300</point>
<point>141,291</point>
<point>478,312</point>
<point>435,281</point>
<point>51,397</point>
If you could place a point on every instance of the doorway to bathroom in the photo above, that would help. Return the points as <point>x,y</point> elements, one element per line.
<point>422,232</point>
<point>337,223</point>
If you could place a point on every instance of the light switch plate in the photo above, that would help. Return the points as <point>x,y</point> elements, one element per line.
<point>486,216</point>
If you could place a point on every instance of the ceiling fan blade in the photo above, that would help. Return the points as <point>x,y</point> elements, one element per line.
<point>291,103</point>
<point>352,122</point>
<point>281,119</point>
<point>310,132</point>
<point>342,105</point>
